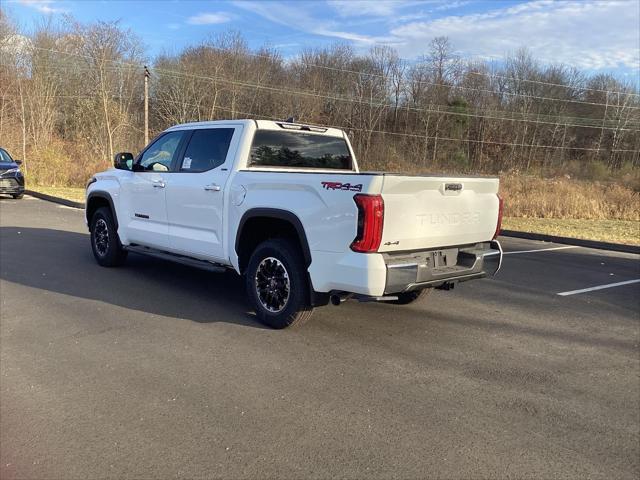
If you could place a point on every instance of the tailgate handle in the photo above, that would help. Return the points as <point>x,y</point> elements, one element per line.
<point>452,188</point>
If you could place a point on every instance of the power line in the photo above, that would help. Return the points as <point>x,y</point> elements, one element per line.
<point>601,125</point>
<point>380,104</point>
<point>540,82</point>
<point>455,87</point>
<point>382,132</point>
<point>588,122</point>
<point>294,92</point>
<point>412,135</point>
<point>371,74</point>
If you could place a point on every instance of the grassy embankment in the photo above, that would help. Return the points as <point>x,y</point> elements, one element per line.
<point>602,211</point>
<point>74,194</point>
<point>615,231</point>
<point>563,207</point>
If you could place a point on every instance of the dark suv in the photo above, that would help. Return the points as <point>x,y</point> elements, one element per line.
<point>11,178</point>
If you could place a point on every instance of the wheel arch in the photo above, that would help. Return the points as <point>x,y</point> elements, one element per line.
<point>256,218</point>
<point>98,199</point>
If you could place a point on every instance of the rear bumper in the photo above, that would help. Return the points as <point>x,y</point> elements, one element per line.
<point>414,271</point>
<point>377,274</point>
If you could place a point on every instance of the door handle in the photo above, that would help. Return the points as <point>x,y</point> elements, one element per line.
<point>158,184</point>
<point>213,187</point>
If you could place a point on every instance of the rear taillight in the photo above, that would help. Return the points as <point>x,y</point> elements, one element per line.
<point>370,220</point>
<point>499,225</point>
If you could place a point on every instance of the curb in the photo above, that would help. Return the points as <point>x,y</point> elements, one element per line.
<point>51,198</point>
<point>616,247</point>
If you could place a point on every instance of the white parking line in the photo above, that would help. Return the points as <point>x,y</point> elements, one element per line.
<point>598,287</point>
<point>541,250</point>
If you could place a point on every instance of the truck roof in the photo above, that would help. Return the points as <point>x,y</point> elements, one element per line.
<point>263,125</point>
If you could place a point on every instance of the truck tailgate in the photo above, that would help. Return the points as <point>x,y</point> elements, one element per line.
<point>430,212</point>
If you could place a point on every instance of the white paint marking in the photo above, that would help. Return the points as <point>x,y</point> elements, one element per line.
<point>542,250</point>
<point>598,287</point>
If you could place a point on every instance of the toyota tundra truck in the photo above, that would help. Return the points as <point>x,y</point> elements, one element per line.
<point>285,206</point>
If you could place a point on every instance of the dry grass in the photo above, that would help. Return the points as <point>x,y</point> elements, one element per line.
<point>616,231</point>
<point>561,198</point>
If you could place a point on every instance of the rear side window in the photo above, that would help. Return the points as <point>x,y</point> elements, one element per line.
<point>299,150</point>
<point>207,149</point>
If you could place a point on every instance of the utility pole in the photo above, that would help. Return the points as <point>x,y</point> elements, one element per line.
<point>146,105</point>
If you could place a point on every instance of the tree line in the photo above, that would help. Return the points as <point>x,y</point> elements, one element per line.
<point>71,94</point>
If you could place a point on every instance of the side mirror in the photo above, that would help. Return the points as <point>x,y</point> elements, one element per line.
<point>17,162</point>
<point>123,161</point>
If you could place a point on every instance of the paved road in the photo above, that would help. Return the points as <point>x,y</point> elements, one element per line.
<point>156,370</point>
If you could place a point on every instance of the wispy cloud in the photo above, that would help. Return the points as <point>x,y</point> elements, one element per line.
<point>301,20</point>
<point>451,5</point>
<point>370,8</point>
<point>591,34</point>
<point>389,10</point>
<point>286,45</point>
<point>209,18</point>
<point>44,6</point>
<point>587,34</point>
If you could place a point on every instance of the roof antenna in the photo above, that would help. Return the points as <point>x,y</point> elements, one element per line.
<point>290,120</point>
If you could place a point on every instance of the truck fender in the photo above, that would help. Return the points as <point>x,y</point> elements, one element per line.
<point>103,195</point>
<point>280,215</point>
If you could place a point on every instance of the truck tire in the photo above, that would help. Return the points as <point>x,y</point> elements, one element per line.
<point>406,298</point>
<point>277,285</point>
<point>105,242</point>
<point>17,196</point>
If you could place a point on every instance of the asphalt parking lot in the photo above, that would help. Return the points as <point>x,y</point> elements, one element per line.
<point>155,370</point>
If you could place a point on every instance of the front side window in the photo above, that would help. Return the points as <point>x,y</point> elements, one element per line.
<point>158,157</point>
<point>207,149</point>
<point>272,148</point>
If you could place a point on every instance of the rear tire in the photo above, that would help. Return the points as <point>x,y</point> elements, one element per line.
<point>277,284</point>
<point>18,196</point>
<point>405,298</point>
<point>105,242</point>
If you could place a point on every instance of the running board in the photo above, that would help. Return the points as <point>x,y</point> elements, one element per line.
<point>172,257</point>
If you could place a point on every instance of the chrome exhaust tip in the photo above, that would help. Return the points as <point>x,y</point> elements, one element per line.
<point>336,300</point>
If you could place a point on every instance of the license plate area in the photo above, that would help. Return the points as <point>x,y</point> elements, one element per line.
<point>442,259</point>
<point>6,182</point>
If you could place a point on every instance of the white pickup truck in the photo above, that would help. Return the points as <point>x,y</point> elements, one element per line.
<point>285,206</point>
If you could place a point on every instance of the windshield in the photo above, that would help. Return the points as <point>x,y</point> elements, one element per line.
<point>5,157</point>
<point>299,150</point>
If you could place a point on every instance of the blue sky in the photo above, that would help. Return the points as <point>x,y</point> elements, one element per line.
<point>595,35</point>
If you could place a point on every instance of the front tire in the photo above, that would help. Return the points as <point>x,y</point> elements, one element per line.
<point>277,285</point>
<point>105,242</point>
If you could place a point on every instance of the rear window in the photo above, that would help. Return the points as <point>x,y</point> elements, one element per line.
<point>299,150</point>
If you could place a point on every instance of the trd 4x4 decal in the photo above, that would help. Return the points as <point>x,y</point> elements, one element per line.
<point>342,186</point>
